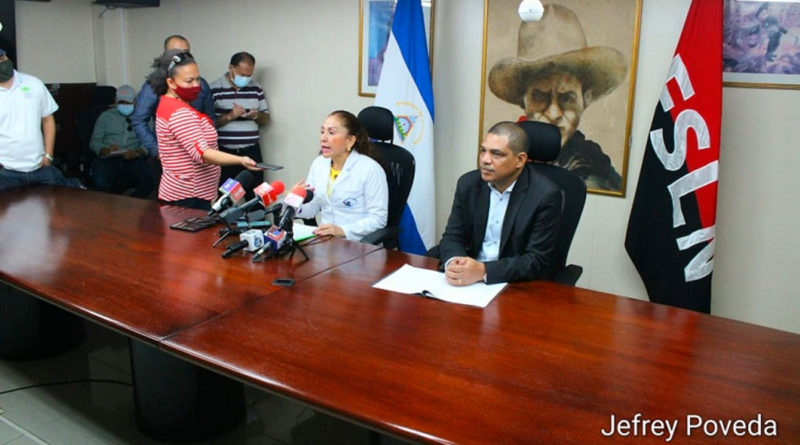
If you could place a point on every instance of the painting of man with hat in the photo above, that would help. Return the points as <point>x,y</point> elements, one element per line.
<point>558,73</point>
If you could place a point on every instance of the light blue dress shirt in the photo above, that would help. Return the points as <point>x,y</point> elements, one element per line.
<point>498,203</point>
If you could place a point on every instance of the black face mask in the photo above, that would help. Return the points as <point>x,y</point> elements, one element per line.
<point>6,70</point>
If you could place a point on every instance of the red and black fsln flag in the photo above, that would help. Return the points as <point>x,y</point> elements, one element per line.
<point>671,230</point>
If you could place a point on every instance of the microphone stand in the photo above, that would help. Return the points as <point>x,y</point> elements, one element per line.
<point>293,246</point>
<point>289,248</point>
<point>228,230</point>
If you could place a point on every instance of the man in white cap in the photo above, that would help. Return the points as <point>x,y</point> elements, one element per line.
<point>122,161</point>
<point>554,78</point>
<point>27,130</point>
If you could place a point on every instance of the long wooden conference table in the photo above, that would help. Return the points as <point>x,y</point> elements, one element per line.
<point>542,363</point>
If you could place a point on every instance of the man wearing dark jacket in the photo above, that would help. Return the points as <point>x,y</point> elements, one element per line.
<point>504,220</point>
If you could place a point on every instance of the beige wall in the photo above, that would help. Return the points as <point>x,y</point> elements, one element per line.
<point>307,62</point>
<point>110,46</point>
<point>55,41</point>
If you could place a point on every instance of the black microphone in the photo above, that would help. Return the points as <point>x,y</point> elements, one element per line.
<point>233,248</point>
<point>232,190</point>
<point>250,241</point>
<point>309,196</point>
<point>291,203</point>
<point>287,216</point>
<point>255,215</point>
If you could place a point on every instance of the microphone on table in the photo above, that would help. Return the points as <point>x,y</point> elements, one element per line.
<point>265,195</point>
<point>268,193</point>
<point>232,190</point>
<point>275,209</point>
<point>291,204</point>
<point>250,241</point>
<point>280,234</point>
<point>274,240</point>
<point>256,218</point>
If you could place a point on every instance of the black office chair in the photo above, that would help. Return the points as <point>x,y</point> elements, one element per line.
<point>399,165</point>
<point>544,144</point>
<point>102,98</point>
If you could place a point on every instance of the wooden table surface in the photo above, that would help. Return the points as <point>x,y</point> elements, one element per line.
<point>543,363</point>
<point>115,260</point>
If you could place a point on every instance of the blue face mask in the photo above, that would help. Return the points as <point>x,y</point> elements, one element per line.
<point>241,81</point>
<point>125,109</point>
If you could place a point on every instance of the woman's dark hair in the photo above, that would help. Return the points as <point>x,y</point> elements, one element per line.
<point>355,128</point>
<point>164,67</point>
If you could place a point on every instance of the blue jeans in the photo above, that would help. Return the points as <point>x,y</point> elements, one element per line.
<point>48,175</point>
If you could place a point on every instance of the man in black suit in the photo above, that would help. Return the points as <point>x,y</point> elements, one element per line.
<point>504,220</point>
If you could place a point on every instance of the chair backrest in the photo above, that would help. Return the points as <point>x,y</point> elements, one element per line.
<point>398,163</point>
<point>84,124</point>
<point>104,95</point>
<point>102,98</point>
<point>379,123</point>
<point>544,144</point>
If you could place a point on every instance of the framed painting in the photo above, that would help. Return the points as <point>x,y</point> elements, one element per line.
<point>761,44</point>
<point>375,23</point>
<point>574,68</point>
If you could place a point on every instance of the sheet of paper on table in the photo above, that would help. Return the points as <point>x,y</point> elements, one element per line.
<point>430,283</point>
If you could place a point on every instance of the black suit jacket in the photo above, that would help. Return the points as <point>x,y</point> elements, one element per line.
<point>529,229</point>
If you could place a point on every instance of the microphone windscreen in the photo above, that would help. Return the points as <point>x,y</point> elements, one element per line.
<point>295,197</point>
<point>277,187</point>
<point>267,193</point>
<point>309,196</point>
<point>299,191</point>
<point>245,178</point>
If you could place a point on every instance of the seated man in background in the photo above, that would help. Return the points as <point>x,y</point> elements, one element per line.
<point>241,109</point>
<point>120,155</point>
<point>27,131</point>
<point>504,220</point>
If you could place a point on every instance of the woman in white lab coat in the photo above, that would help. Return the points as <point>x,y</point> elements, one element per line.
<point>351,195</point>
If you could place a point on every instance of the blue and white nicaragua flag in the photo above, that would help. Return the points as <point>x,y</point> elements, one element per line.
<point>405,88</point>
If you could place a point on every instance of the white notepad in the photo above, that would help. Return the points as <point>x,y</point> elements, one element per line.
<point>430,283</point>
<point>302,232</point>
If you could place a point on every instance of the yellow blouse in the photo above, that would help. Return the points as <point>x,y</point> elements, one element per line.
<point>334,175</point>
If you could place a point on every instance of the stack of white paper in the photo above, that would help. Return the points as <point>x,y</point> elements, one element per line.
<point>430,283</point>
<point>302,232</point>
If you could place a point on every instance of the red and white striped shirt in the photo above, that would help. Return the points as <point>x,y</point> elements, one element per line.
<point>183,135</point>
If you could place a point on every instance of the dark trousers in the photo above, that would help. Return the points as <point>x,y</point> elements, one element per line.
<point>116,174</point>
<point>48,175</point>
<point>230,171</point>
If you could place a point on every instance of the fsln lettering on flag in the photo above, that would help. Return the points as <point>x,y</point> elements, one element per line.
<point>672,226</point>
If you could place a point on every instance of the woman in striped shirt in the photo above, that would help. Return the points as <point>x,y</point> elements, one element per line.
<point>187,139</point>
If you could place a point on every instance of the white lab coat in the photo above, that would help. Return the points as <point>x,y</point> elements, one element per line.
<point>359,199</point>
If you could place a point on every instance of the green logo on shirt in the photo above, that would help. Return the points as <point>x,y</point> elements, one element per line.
<point>25,89</point>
